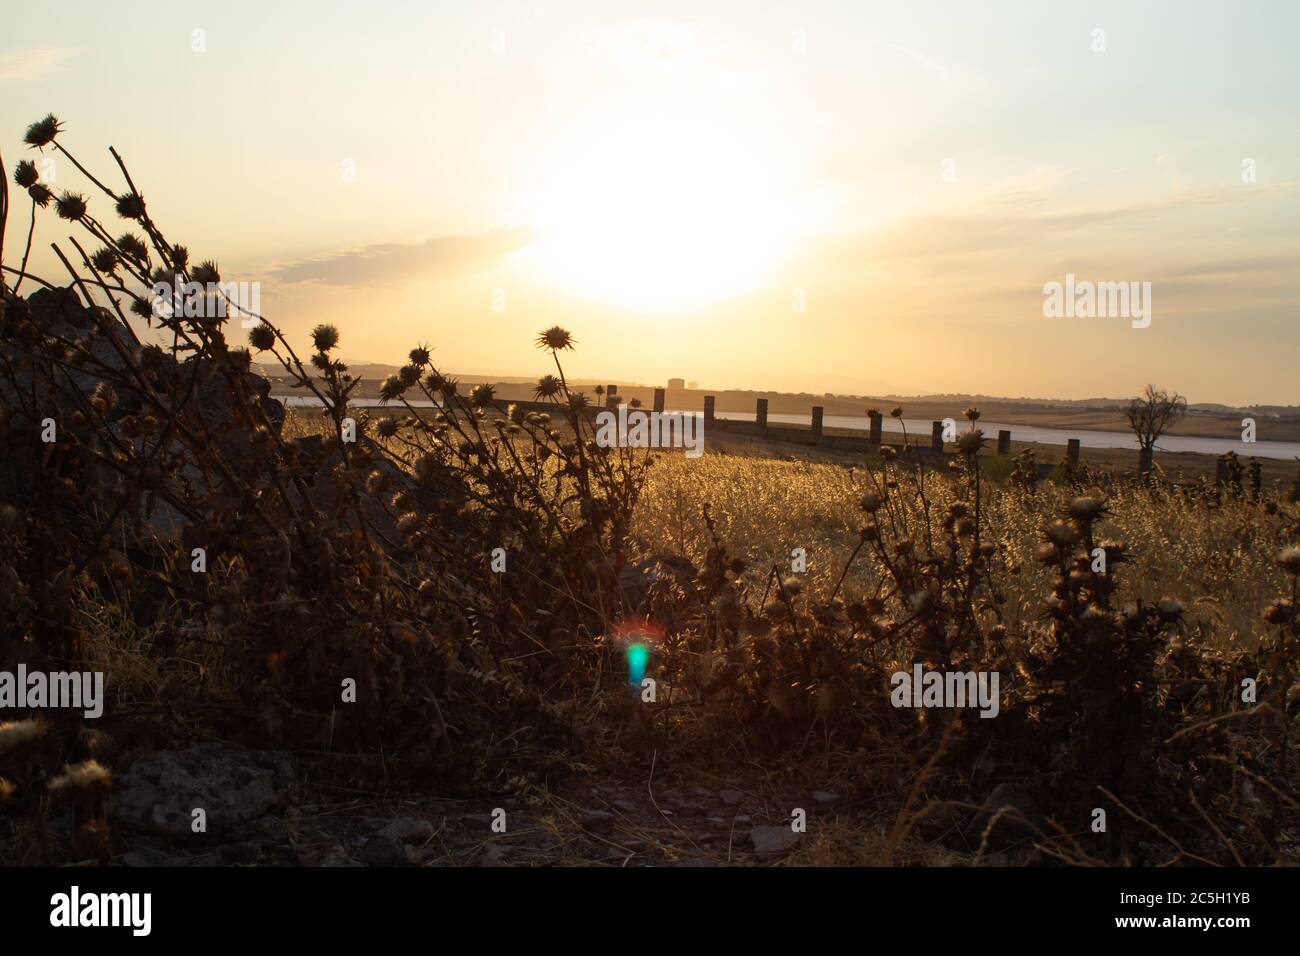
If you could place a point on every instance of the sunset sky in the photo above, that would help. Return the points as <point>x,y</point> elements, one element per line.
<point>670,180</point>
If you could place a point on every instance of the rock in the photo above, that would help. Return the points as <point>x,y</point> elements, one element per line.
<point>598,821</point>
<point>627,806</point>
<point>731,798</point>
<point>494,855</point>
<point>385,851</point>
<point>825,796</point>
<point>233,787</point>
<point>769,841</point>
<point>408,830</point>
<point>337,857</point>
<point>148,856</point>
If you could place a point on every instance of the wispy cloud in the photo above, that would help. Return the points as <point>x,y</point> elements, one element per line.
<point>33,64</point>
<point>391,263</point>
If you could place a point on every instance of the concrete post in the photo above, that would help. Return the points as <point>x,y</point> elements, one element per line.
<point>659,399</point>
<point>760,414</point>
<point>708,409</point>
<point>936,436</point>
<point>1004,441</point>
<point>817,414</point>
<point>1072,451</point>
<point>877,420</point>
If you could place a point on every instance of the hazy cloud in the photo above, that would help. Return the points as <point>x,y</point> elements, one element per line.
<point>31,65</point>
<point>394,262</point>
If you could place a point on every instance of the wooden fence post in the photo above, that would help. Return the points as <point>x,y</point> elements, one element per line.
<point>936,436</point>
<point>659,399</point>
<point>873,436</point>
<point>760,415</point>
<point>708,409</point>
<point>817,413</point>
<point>1004,441</point>
<point>1072,451</point>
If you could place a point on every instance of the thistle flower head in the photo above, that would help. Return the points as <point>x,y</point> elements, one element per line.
<point>1170,609</point>
<point>1086,508</point>
<point>131,246</point>
<point>419,356</point>
<point>19,732</point>
<point>82,779</point>
<point>555,338</point>
<point>481,396</point>
<point>25,174</point>
<point>970,442</point>
<point>130,206</point>
<point>206,271</point>
<point>104,260</point>
<point>262,337</point>
<point>70,206</point>
<point>40,195</point>
<point>896,411</point>
<point>1062,534</point>
<point>41,133</point>
<point>391,388</point>
<point>547,388</point>
<point>972,414</point>
<point>324,337</point>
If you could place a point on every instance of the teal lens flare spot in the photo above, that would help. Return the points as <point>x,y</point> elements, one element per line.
<point>637,656</point>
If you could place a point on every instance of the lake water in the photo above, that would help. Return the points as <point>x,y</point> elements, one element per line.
<point>920,431</point>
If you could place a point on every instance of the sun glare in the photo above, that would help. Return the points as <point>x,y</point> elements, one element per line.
<point>662,215</point>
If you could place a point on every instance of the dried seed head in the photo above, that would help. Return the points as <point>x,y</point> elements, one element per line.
<point>555,338</point>
<point>1290,559</point>
<point>25,174</point>
<point>41,133</point>
<point>1062,534</point>
<point>261,337</point>
<point>18,732</point>
<point>87,778</point>
<point>71,206</point>
<point>1086,508</point>
<point>325,337</point>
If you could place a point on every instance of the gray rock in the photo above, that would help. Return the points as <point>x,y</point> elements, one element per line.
<point>408,830</point>
<point>233,787</point>
<point>731,798</point>
<point>770,841</point>
<point>385,851</point>
<point>825,796</point>
<point>598,821</point>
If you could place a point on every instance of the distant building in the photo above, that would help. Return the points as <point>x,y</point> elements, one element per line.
<point>692,384</point>
<point>677,383</point>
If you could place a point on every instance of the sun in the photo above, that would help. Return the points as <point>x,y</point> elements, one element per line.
<point>661,214</point>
